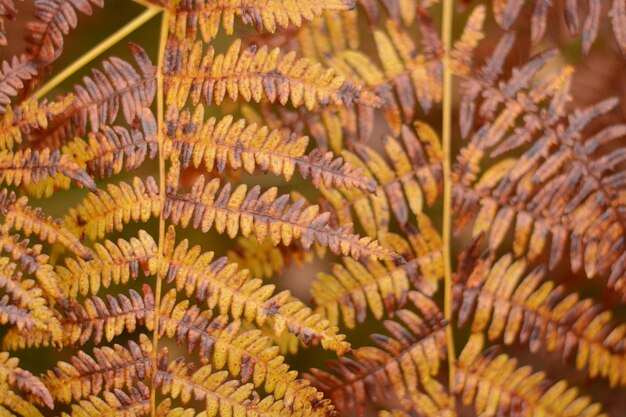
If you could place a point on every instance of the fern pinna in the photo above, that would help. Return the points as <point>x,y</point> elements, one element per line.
<point>460,200</point>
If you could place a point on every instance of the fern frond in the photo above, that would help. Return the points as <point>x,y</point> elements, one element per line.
<point>95,320</point>
<point>461,56</point>
<point>205,15</point>
<point>350,288</point>
<point>113,263</point>
<point>502,302</point>
<point>239,145</point>
<point>223,397</point>
<point>17,122</point>
<point>231,290</point>
<point>13,75</point>
<point>105,211</point>
<point>53,20</point>
<point>19,215</point>
<point>30,167</point>
<point>28,309</point>
<point>416,347</point>
<point>109,368</point>
<point>13,376</point>
<point>413,178</point>
<point>105,153</point>
<point>568,185</point>
<point>34,262</point>
<point>98,102</point>
<point>506,12</point>
<point>247,354</point>
<point>496,386</point>
<point>116,403</point>
<point>415,77</point>
<point>252,75</point>
<point>243,211</point>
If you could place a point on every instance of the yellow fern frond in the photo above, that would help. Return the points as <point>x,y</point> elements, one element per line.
<point>495,386</point>
<point>105,211</point>
<point>247,354</point>
<point>205,15</point>
<point>218,144</point>
<point>505,302</point>
<point>109,368</point>
<point>29,115</point>
<point>113,263</point>
<point>232,291</point>
<point>116,403</point>
<point>19,215</point>
<point>104,153</point>
<point>414,178</point>
<point>253,74</point>
<point>267,215</point>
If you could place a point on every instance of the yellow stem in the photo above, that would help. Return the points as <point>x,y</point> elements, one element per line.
<point>96,51</point>
<point>447,188</point>
<point>145,3</point>
<point>162,179</point>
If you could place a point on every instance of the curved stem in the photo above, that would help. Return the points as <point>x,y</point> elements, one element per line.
<point>161,127</point>
<point>447,181</point>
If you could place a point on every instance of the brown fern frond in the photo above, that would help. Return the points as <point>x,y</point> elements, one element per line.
<point>503,304</point>
<point>248,355</point>
<point>109,368</point>
<point>94,319</point>
<point>104,153</point>
<point>113,263</point>
<point>267,214</point>
<point>238,145</point>
<point>30,167</point>
<point>116,403</point>
<point>190,16</point>
<point>28,308</point>
<point>103,212</point>
<point>19,215</point>
<point>568,185</point>
<point>253,74</point>
<point>33,261</point>
<point>496,386</point>
<point>414,177</point>
<point>13,76</point>
<point>231,290</point>
<point>506,12</point>
<point>53,20</point>
<point>398,367</point>
<point>97,103</point>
